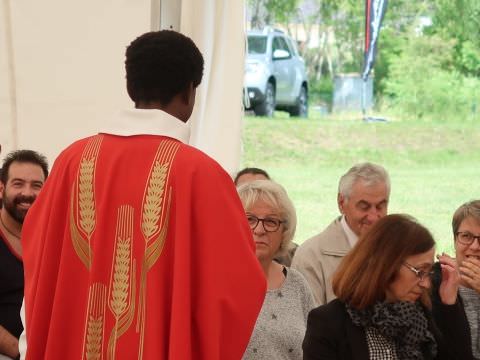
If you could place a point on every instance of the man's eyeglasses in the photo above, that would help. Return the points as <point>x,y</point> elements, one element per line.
<point>467,238</point>
<point>419,273</point>
<point>269,224</point>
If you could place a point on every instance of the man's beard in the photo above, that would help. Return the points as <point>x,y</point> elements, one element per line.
<point>11,206</point>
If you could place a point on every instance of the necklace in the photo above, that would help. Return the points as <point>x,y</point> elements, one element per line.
<point>8,230</point>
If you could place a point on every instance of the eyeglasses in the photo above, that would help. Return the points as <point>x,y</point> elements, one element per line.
<point>467,238</point>
<point>269,224</point>
<point>419,273</point>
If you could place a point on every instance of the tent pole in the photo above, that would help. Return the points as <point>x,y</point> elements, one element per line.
<point>11,72</point>
<point>155,14</point>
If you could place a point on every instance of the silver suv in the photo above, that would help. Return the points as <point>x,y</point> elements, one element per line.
<point>275,75</point>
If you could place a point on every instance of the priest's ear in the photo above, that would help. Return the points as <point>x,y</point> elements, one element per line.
<point>188,95</point>
<point>188,101</point>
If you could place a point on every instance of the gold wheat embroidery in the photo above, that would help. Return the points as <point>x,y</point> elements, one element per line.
<point>79,243</point>
<point>85,196</point>
<point>122,283</point>
<point>86,174</point>
<point>95,322</point>
<point>153,200</point>
<point>84,202</point>
<point>155,248</point>
<point>154,222</point>
<point>94,337</point>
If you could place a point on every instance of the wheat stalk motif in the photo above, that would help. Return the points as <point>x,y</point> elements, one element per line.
<point>155,248</point>
<point>85,196</point>
<point>153,200</point>
<point>85,202</point>
<point>86,176</point>
<point>94,337</point>
<point>123,278</point>
<point>80,245</point>
<point>153,219</point>
<point>95,321</point>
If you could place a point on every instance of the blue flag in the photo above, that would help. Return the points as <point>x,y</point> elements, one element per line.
<point>374,12</point>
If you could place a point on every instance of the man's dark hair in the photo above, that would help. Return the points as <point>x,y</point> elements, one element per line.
<point>160,65</point>
<point>23,156</point>
<point>251,170</point>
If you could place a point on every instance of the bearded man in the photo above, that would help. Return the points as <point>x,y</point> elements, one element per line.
<point>22,177</point>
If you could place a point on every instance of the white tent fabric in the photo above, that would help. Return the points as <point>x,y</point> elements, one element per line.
<point>68,72</point>
<point>217,26</point>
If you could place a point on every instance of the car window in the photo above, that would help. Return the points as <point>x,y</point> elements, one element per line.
<point>257,44</point>
<point>291,45</point>
<point>280,44</point>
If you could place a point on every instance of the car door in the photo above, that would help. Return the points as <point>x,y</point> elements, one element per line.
<point>298,75</point>
<point>282,69</point>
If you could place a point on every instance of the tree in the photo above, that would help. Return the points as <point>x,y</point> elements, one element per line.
<point>423,84</point>
<point>460,20</point>
<point>271,12</point>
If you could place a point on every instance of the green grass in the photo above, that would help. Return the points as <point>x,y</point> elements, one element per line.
<point>433,165</point>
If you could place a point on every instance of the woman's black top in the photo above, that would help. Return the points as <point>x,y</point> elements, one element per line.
<point>331,334</point>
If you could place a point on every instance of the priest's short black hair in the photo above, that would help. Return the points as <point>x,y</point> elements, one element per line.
<point>160,65</point>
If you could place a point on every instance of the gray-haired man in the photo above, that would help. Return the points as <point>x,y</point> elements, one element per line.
<point>363,194</point>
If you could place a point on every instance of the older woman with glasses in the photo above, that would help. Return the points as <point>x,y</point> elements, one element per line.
<point>383,305</point>
<point>466,234</point>
<point>281,325</point>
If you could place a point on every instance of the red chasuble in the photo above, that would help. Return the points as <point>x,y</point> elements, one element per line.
<point>138,248</point>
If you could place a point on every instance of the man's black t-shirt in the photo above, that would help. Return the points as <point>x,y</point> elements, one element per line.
<point>11,289</point>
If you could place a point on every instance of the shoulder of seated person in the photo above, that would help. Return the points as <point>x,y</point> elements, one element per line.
<point>331,309</point>
<point>315,241</point>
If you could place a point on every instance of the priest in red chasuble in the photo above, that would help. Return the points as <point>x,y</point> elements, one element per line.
<point>138,246</point>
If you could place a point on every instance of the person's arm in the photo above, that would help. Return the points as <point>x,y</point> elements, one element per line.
<point>22,341</point>
<point>453,326</point>
<point>450,280</point>
<point>8,343</point>
<point>470,273</point>
<point>449,315</point>
<point>305,264</point>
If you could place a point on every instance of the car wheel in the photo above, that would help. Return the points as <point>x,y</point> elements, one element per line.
<point>300,109</point>
<point>267,107</point>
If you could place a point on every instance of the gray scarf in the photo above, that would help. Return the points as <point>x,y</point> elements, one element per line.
<point>404,323</point>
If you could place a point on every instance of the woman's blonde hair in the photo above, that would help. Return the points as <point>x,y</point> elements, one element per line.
<point>275,196</point>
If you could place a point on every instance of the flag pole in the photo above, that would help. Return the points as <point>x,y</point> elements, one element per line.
<point>374,13</point>
<point>364,99</point>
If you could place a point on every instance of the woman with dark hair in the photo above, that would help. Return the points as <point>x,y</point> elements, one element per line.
<point>383,305</point>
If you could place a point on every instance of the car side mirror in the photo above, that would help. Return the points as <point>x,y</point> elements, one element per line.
<point>280,54</point>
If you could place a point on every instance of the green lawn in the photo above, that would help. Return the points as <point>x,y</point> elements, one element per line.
<point>433,165</point>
